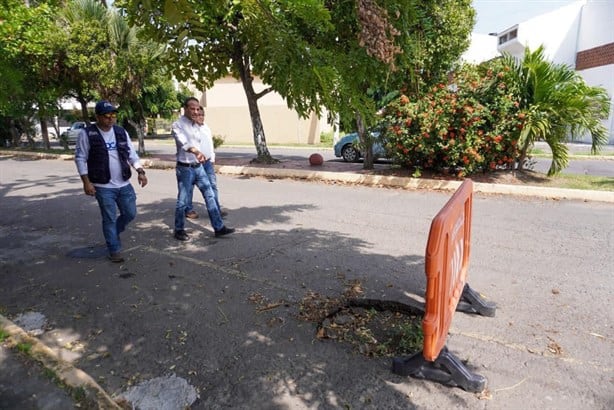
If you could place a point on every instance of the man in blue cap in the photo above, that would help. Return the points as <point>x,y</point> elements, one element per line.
<point>104,154</point>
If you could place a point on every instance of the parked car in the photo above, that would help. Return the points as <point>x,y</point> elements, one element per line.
<point>71,134</point>
<point>348,147</point>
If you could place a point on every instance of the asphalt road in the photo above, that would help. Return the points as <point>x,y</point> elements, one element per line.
<point>201,310</point>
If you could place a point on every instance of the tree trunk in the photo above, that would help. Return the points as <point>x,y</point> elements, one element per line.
<point>84,112</point>
<point>139,128</point>
<point>523,155</point>
<point>366,142</point>
<point>44,132</point>
<point>243,64</point>
<point>15,133</point>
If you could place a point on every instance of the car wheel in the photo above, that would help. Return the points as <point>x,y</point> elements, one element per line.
<point>350,154</point>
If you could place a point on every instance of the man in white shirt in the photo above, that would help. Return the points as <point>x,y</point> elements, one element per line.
<point>190,143</point>
<point>208,150</point>
<point>103,155</point>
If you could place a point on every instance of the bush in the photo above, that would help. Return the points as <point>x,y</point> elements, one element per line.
<point>326,138</point>
<point>218,140</point>
<point>472,125</point>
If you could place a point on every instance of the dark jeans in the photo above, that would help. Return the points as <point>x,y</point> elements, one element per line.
<point>187,177</point>
<point>109,201</point>
<point>210,171</point>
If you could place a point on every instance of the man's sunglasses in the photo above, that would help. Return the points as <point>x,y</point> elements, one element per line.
<point>110,115</point>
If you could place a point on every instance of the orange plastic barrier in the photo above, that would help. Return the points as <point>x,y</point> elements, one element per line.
<point>447,260</point>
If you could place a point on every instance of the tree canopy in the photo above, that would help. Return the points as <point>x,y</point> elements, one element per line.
<point>79,49</point>
<point>315,54</point>
<point>387,46</point>
<point>29,50</point>
<point>557,103</point>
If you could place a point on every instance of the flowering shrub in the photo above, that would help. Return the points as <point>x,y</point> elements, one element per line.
<point>472,125</point>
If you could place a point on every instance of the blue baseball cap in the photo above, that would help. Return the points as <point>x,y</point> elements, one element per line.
<point>104,107</point>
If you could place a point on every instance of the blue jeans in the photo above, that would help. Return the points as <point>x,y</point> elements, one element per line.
<point>210,171</point>
<point>109,201</point>
<point>186,179</point>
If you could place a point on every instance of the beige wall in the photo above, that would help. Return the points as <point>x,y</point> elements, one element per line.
<point>228,116</point>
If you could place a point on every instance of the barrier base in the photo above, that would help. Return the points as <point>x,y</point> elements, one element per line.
<point>472,302</point>
<point>447,369</point>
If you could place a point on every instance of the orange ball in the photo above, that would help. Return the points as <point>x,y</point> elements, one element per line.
<point>316,159</point>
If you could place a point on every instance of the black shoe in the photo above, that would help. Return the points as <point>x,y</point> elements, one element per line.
<point>181,236</point>
<point>116,257</point>
<point>224,231</point>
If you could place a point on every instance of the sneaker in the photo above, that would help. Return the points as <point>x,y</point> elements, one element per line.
<point>116,257</point>
<point>181,236</point>
<point>191,215</point>
<point>224,231</point>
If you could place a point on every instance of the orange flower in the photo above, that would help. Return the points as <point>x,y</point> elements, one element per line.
<point>404,99</point>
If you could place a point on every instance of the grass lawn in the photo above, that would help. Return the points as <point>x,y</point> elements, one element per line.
<point>586,182</point>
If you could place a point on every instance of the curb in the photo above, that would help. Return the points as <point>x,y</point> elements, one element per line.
<point>418,183</point>
<point>74,378</point>
<point>374,180</point>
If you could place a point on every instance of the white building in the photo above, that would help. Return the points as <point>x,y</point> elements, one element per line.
<point>483,47</point>
<point>228,116</point>
<point>580,35</point>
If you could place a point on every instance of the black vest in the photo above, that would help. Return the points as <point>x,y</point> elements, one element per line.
<point>98,170</point>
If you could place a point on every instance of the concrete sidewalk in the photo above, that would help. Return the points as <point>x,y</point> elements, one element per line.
<point>223,312</point>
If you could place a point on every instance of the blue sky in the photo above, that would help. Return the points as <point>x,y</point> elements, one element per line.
<point>497,15</point>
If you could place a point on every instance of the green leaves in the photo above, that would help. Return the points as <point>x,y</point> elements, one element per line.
<point>315,54</point>
<point>559,105</point>
<point>29,46</point>
<point>463,129</point>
